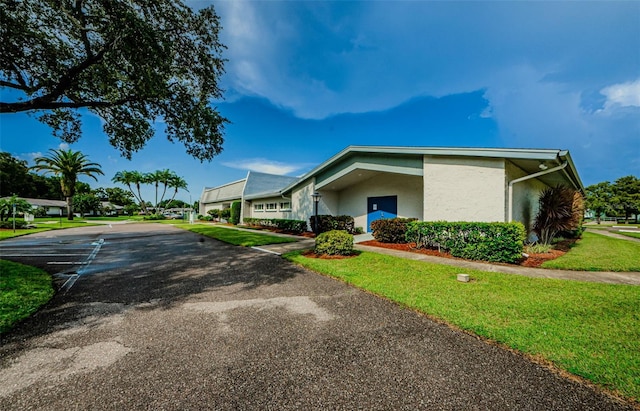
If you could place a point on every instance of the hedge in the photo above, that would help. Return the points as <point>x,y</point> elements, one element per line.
<point>391,230</point>
<point>294,226</point>
<point>330,222</point>
<point>496,242</point>
<point>234,217</point>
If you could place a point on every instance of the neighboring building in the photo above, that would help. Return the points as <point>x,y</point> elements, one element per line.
<point>427,183</point>
<point>51,207</point>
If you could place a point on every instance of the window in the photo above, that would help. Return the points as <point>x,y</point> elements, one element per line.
<point>286,206</point>
<point>272,206</point>
<point>258,207</point>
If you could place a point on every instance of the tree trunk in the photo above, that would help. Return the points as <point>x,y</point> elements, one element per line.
<point>70,208</point>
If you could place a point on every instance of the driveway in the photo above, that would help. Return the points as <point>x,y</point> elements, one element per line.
<point>167,319</point>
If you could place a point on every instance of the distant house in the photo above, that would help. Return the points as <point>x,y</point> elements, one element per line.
<point>427,183</point>
<point>51,207</point>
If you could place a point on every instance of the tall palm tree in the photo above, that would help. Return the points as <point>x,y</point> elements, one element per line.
<point>176,183</point>
<point>67,165</point>
<point>132,177</point>
<point>157,177</point>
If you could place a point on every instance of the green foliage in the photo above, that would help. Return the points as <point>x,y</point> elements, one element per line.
<point>293,226</point>
<point>589,329</point>
<point>68,165</point>
<point>225,214</point>
<point>330,222</point>
<point>129,62</point>
<point>561,209</point>
<point>498,242</point>
<point>86,203</point>
<point>24,290</point>
<point>391,230</point>
<point>598,199</point>
<point>168,179</point>
<point>537,248</point>
<point>234,218</point>
<point>7,204</point>
<point>19,224</point>
<point>334,242</point>
<point>155,217</point>
<point>626,196</point>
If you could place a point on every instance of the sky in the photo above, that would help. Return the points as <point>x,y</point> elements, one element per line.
<point>305,79</point>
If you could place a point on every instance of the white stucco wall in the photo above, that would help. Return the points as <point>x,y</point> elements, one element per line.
<point>525,196</point>
<point>464,189</point>
<point>353,200</point>
<point>302,202</point>
<point>278,213</point>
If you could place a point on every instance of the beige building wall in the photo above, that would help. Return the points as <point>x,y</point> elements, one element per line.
<point>267,210</point>
<point>302,202</point>
<point>464,189</point>
<point>525,197</point>
<point>353,200</point>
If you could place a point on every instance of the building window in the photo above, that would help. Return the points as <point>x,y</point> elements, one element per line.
<point>286,206</point>
<point>258,207</point>
<point>272,206</point>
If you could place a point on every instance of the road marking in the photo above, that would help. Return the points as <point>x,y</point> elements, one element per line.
<point>265,250</point>
<point>67,262</point>
<point>74,277</point>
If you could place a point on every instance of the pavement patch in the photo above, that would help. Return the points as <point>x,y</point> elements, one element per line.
<point>295,305</point>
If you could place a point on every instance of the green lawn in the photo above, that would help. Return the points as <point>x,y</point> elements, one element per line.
<point>589,329</point>
<point>23,289</point>
<point>236,237</point>
<point>44,224</point>
<point>634,235</point>
<point>596,252</point>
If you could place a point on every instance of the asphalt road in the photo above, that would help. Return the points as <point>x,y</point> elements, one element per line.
<point>163,319</point>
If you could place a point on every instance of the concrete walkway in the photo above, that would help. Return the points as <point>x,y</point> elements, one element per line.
<point>608,277</point>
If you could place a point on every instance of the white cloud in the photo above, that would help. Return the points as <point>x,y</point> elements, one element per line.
<point>63,146</point>
<point>264,166</point>
<point>622,94</point>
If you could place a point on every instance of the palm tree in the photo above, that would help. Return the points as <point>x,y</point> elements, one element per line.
<point>132,177</point>
<point>67,165</point>
<point>176,183</point>
<point>157,177</point>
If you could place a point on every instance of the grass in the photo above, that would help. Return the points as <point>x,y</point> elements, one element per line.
<point>23,289</point>
<point>589,329</point>
<point>236,237</point>
<point>596,252</point>
<point>44,224</point>
<point>634,235</point>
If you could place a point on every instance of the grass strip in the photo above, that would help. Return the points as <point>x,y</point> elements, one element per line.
<point>237,237</point>
<point>589,329</point>
<point>23,289</point>
<point>634,235</point>
<point>597,252</point>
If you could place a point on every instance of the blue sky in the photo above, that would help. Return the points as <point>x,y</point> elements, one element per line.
<point>307,78</point>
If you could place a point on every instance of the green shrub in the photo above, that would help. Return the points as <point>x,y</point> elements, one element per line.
<point>497,242</point>
<point>391,230</point>
<point>334,242</point>
<point>225,214</point>
<point>214,213</point>
<point>234,218</point>
<point>154,217</point>
<point>294,226</point>
<point>9,224</point>
<point>205,217</point>
<point>330,222</point>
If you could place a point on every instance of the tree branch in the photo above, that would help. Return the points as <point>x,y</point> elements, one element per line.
<point>38,104</point>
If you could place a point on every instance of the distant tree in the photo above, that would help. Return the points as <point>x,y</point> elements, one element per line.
<point>131,178</point>
<point>176,183</point>
<point>129,62</point>
<point>68,165</point>
<point>598,199</point>
<point>626,196</point>
<point>559,210</point>
<point>14,176</point>
<point>86,202</point>
<point>7,204</point>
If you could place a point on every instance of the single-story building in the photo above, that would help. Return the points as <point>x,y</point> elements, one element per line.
<point>427,183</point>
<point>51,207</point>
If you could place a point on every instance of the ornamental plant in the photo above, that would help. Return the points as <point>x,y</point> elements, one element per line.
<point>334,242</point>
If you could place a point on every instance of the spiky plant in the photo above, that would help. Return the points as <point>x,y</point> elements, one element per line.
<point>560,209</point>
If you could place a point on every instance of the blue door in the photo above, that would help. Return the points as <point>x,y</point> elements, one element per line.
<point>381,207</point>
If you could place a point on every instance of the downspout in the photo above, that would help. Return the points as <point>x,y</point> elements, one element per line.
<point>530,176</point>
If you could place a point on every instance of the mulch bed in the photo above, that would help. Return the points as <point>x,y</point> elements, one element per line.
<point>534,260</point>
<point>311,254</point>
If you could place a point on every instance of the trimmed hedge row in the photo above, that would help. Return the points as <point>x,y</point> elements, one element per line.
<point>496,242</point>
<point>330,222</point>
<point>234,217</point>
<point>295,226</point>
<point>391,230</point>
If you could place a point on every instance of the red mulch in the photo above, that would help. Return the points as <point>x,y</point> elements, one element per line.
<point>534,260</point>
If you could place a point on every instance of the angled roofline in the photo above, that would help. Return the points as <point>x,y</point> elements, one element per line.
<point>223,185</point>
<point>513,153</point>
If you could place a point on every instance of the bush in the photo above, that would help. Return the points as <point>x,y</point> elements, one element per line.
<point>560,210</point>
<point>225,214</point>
<point>215,213</point>
<point>294,226</point>
<point>205,217</point>
<point>391,230</point>
<point>329,223</point>
<point>497,242</point>
<point>234,218</point>
<point>9,224</point>
<point>335,242</point>
<point>154,217</point>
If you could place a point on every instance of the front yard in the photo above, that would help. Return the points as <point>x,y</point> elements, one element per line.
<point>591,330</point>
